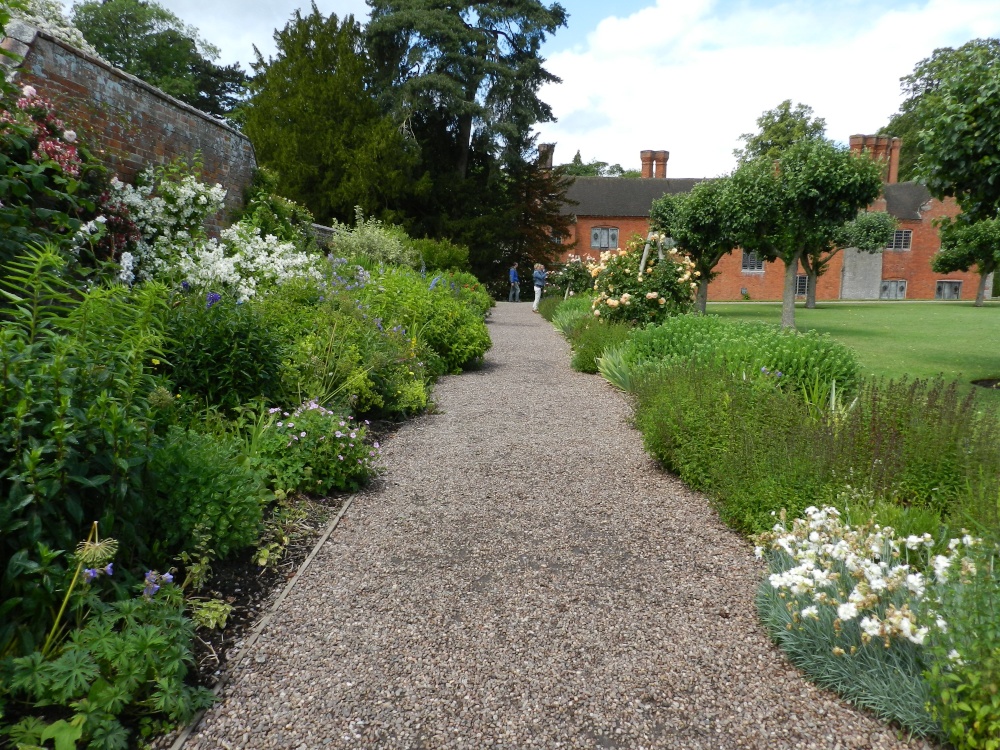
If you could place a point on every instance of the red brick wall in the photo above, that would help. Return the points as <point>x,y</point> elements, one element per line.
<point>578,242</point>
<point>914,264</point>
<point>128,124</point>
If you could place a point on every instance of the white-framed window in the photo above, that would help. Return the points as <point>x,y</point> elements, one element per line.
<point>892,289</point>
<point>902,239</point>
<point>948,290</point>
<point>801,285</point>
<point>604,238</point>
<point>752,263</point>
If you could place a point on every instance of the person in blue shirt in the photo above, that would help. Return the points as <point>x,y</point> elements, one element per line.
<point>538,276</point>
<point>515,285</point>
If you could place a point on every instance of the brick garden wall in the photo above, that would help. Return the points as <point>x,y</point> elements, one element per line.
<point>128,124</point>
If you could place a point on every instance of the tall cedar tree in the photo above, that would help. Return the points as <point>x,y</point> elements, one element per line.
<point>151,43</point>
<point>461,81</point>
<point>315,123</point>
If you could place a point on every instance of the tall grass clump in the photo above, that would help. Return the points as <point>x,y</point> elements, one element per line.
<point>592,339</point>
<point>571,314</point>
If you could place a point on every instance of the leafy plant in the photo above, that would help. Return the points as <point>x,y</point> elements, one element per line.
<point>314,450</point>
<point>222,351</point>
<point>592,339</point>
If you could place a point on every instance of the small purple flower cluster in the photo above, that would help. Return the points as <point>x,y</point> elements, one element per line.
<point>153,581</point>
<point>361,275</point>
<point>211,298</point>
<point>91,574</point>
<point>775,373</point>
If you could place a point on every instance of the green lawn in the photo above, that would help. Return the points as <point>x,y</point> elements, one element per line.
<point>919,339</point>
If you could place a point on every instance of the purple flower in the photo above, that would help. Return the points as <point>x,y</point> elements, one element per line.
<point>167,578</point>
<point>275,410</point>
<point>185,286</point>
<point>778,374</point>
<point>375,444</point>
<point>434,281</point>
<point>353,435</point>
<point>109,570</point>
<point>211,298</point>
<point>340,457</point>
<point>302,434</point>
<point>338,433</point>
<point>89,574</point>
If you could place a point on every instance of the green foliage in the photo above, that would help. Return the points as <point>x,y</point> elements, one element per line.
<point>626,293</point>
<point>595,168</point>
<point>965,244</point>
<point>446,333</point>
<point>75,430</point>
<point>126,666</point>
<point>954,96</point>
<point>314,450</point>
<point>372,242</point>
<point>222,351</point>
<point>316,124</point>
<point>209,490</point>
<point>569,315</point>
<point>338,354</point>
<point>147,40</point>
<point>904,125</point>
<point>746,349</point>
<point>267,211</point>
<point>591,340</point>
<point>440,255</point>
<point>869,231</point>
<point>964,670</point>
<point>779,129</point>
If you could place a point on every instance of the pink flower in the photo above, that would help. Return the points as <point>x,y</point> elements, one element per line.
<point>69,136</point>
<point>29,91</point>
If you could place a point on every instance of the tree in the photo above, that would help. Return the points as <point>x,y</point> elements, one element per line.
<point>792,208</point>
<point>469,69</point>
<point>965,244</point>
<point>954,96</point>
<point>314,122</point>
<point>903,125</point>
<point>148,41</point>
<point>869,231</point>
<point>701,224</point>
<point>595,168</point>
<point>779,129</point>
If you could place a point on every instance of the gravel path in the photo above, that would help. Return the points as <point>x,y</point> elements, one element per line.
<point>527,578</point>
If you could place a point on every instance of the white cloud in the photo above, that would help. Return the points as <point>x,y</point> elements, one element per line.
<point>690,78</point>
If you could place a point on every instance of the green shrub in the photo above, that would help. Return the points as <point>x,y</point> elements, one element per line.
<point>341,356</point>
<point>440,255</point>
<point>798,360</point>
<point>964,671</point>
<point>573,277</point>
<point>75,431</point>
<point>209,490</point>
<point>372,243</point>
<point>592,339</point>
<point>222,351</point>
<point>466,288</point>
<point>314,450</point>
<point>447,334</point>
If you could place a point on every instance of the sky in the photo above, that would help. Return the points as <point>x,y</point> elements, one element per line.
<point>686,76</point>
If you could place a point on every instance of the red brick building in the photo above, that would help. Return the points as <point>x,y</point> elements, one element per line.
<point>610,210</point>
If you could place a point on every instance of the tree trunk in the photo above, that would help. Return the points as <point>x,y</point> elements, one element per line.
<point>811,289</point>
<point>701,301</point>
<point>788,298</point>
<point>464,144</point>
<point>981,290</point>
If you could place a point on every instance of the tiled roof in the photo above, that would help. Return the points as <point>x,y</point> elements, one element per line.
<point>621,196</point>
<point>904,199</point>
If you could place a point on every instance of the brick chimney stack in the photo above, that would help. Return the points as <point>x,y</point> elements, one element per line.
<point>646,157</point>
<point>660,163</point>
<point>545,153</point>
<point>881,147</point>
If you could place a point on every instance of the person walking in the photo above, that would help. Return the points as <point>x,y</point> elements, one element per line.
<point>538,276</point>
<point>515,285</point>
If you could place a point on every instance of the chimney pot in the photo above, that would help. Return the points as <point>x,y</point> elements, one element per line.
<point>646,157</point>
<point>660,163</point>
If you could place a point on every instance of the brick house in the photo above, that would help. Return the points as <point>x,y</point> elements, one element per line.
<point>610,210</point>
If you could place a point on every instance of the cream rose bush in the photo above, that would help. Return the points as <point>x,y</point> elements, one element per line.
<point>624,293</point>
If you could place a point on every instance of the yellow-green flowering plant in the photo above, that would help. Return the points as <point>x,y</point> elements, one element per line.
<point>626,293</point>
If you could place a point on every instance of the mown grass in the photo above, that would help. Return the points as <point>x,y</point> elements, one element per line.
<point>916,339</point>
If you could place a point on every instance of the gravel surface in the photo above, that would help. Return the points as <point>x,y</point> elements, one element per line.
<point>526,577</point>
